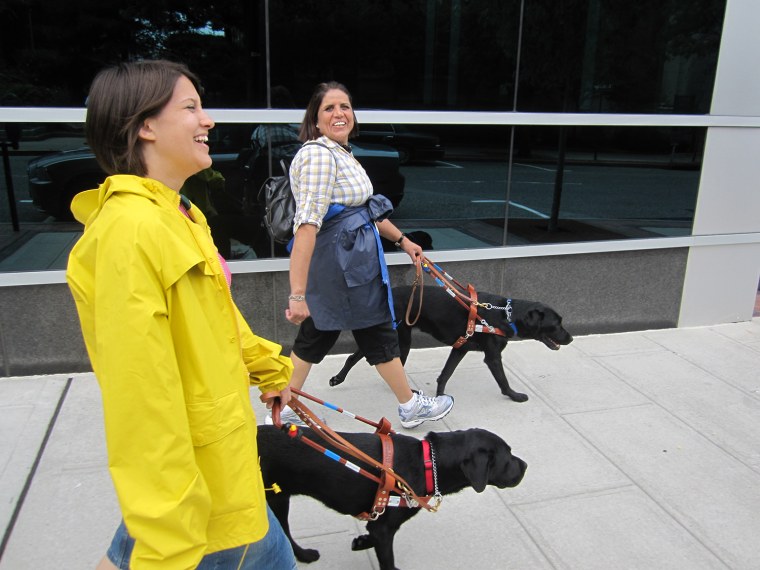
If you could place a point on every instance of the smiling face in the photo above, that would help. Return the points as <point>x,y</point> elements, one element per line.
<point>335,117</point>
<point>174,142</point>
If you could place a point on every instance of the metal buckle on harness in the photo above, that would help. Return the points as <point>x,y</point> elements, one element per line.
<point>485,324</point>
<point>410,501</point>
<point>408,495</point>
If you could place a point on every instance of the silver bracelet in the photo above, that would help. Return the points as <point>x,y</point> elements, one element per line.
<point>296,298</point>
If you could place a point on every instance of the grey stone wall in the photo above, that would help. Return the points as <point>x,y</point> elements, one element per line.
<point>595,293</point>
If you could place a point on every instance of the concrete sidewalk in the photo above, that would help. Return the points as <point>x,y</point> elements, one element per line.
<point>642,450</point>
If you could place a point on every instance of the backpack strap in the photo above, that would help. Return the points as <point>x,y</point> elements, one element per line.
<point>316,142</point>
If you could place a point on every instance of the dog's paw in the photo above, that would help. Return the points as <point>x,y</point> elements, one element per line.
<point>307,555</point>
<point>362,542</point>
<point>517,396</point>
<point>335,380</point>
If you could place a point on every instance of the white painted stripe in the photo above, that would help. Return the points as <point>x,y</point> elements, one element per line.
<point>531,210</point>
<point>514,205</point>
<point>538,167</point>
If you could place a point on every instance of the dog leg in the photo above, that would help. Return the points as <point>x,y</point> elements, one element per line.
<point>381,534</point>
<point>280,505</point>
<point>455,357</point>
<point>493,361</point>
<point>362,542</point>
<point>351,361</point>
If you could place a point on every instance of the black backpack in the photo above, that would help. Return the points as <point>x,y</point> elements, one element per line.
<point>279,204</point>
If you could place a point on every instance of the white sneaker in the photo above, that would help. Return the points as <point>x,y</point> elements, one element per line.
<point>287,416</point>
<point>424,409</point>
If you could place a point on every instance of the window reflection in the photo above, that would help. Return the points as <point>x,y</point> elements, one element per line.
<point>457,183</point>
<point>536,55</point>
<point>465,185</point>
<point>612,183</point>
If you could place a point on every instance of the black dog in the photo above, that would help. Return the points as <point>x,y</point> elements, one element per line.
<point>446,320</point>
<point>471,458</point>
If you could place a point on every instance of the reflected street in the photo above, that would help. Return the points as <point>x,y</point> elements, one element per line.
<point>475,190</point>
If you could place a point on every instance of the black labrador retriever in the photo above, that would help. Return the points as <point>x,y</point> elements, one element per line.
<point>445,319</point>
<point>470,458</point>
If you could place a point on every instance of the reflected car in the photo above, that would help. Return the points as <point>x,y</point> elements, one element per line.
<point>54,179</point>
<point>412,146</point>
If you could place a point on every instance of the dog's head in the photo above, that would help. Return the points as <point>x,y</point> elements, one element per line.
<point>542,323</point>
<point>489,461</point>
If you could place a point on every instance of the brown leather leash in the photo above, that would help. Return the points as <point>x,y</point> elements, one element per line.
<point>419,281</point>
<point>469,301</point>
<point>388,480</point>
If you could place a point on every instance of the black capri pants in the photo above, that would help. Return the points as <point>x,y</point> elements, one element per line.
<point>379,343</point>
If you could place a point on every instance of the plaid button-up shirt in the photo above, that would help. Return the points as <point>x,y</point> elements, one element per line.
<point>322,176</point>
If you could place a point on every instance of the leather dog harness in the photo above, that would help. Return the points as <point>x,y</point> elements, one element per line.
<point>383,497</point>
<point>472,317</point>
<point>469,301</point>
<point>388,481</point>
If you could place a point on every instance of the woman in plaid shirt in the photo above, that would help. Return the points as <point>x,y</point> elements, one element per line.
<point>338,278</point>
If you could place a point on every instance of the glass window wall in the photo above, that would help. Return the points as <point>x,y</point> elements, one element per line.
<point>466,185</point>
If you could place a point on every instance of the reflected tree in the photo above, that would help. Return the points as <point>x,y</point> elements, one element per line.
<point>586,55</point>
<point>51,50</point>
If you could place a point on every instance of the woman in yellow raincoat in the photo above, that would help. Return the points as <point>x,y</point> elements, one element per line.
<point>172,354</point>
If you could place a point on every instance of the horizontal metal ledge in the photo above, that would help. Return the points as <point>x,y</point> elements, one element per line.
<point>77,115</point>
<point>480,254</point>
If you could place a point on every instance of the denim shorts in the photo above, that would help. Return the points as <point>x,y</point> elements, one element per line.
<point>272,552</point>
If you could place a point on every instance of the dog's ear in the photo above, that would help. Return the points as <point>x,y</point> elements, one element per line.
<point>533,319</point>
<point>476,467</point>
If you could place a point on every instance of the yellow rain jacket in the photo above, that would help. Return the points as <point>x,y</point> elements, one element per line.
<point>174,358</point>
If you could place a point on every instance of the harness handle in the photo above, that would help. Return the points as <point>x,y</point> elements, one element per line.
<point>445,280</point>
<point>384,425</point>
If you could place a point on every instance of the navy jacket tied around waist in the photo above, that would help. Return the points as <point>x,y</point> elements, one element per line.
<point>348,284</point>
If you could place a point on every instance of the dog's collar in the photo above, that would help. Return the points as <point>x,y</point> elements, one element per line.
<point>508,313</point>
<point>431,470</point>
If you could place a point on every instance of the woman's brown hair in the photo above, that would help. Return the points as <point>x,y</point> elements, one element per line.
<point>120,99</point>
<point>309,131</point>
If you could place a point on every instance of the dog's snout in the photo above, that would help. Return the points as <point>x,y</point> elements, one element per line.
<point>514,473</point>
<point>519,467</point>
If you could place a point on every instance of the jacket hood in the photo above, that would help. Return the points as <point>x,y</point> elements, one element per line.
<point>87,204</point>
